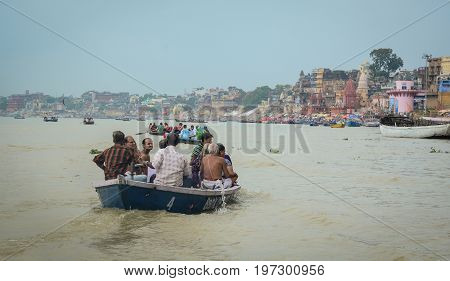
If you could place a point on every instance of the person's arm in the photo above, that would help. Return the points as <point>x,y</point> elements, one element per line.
<point>233,175</point>
<point>99,160</point>
<point>231,172</point>
<point>225,170</point>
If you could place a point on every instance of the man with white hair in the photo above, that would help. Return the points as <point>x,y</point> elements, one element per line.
<point>213,168</point>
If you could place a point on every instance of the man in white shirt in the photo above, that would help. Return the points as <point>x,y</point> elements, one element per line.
<point>170,165</point>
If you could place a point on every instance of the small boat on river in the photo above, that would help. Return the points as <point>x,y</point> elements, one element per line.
<point>124,118</point>
<point>129,195</point>
<point>190,141</point>
<point>155,133</point>
<point>353,123</point>
<point>51,119</point>
<point>88,121</point>
<point>338,125</point>
<point>372,123</point>
<point>403,127</point>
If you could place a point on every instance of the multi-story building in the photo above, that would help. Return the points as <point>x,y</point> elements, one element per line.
<point>106,98</point>
<point>437,69</point>
<point>15,103</point>
<point>444,93</point>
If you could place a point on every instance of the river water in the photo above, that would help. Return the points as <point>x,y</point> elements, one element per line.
<point>329,194</point>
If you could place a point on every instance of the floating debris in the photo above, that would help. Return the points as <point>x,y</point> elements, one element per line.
<point>95,151</point>
<point>435,150</point>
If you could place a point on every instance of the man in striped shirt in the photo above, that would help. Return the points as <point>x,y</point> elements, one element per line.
<point>115,160</point>
<point>196,158</point>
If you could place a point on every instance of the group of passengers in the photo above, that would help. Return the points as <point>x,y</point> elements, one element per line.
<point>209,167</point>
<point>185,133</point>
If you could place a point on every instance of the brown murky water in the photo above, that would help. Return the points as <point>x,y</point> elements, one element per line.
<point>48,202</point>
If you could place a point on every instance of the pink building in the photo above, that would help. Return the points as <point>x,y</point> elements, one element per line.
<point>401,99</point>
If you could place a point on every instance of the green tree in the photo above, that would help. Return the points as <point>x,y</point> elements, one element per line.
<point>384,62</point>
<point>281,88</point>
<point>50,99</point>
<point>3,103</point>
<point>145,97</point>
<point>255,97</point>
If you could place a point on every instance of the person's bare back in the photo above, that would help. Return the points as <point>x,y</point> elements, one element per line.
<point>213,167</point>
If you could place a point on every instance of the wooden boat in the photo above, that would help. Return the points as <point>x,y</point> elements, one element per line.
<point>353,123</point>
<point>190,141</point>
<point>19,117</point>
<point>127,194</point>
<point>415,131</point>
<point>155,133</point>
<point>123,118</point>
<point>88,121</point>
<point>186,120</point>
<point>51,119</point>
<point>372,123</point>
<point>404,127</point>
<point>338,125</point>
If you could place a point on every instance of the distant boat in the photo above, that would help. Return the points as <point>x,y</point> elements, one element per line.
<point>51,119</point>
<point>353,123</point>
<point>183,120</point>
<point>88,121</point>
<point>155,133</point>
<point>127,194</point>
<point>416,131</point>
<point>190,141</point>
<point>19,117</point>
<point>372,123</point>
<point>123,118</point>
<point>338,125</point>
<point>403,127</point>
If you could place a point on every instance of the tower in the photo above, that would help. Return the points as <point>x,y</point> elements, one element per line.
<point>362,91</point>
<point>350,97</point>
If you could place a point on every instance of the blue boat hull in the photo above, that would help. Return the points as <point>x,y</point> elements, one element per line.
<point>142,196</point>
<point>353,124</point>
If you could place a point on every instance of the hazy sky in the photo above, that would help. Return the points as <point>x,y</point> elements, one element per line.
<point>174,46</point>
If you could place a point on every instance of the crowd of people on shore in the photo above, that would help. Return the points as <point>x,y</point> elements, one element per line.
<point>209,166</point>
